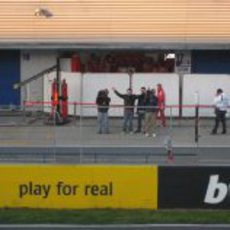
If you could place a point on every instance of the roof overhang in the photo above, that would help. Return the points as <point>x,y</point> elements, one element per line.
<point>72,45</point>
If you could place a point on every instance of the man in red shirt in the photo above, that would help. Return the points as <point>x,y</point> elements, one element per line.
<point>161,104</point>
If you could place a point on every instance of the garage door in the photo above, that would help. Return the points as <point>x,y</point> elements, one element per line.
<point>9,74</point>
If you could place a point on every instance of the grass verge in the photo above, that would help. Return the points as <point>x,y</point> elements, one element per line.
<point>109,216</point>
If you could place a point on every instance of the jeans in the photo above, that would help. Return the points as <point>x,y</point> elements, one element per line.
<point>103,123</point>
<point>128,121</point>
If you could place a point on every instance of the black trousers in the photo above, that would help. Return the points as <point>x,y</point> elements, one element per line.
<point>220,117</point>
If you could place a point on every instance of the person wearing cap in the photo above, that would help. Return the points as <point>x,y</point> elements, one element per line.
<point>221,103</point>
<point>129,102</point>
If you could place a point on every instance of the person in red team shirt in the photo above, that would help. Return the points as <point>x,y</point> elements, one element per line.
<point>161,104</point>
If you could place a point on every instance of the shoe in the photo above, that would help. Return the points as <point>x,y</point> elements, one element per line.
<point>224,132</point>
<point>147,134</point>
<point>213,133</point>
<point>154,135</point>
<point>99,132</point>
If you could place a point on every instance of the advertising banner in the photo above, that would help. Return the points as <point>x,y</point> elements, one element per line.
<point>85,186</point>
<point>194,187</point>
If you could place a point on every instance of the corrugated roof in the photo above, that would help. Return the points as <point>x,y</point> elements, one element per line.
<point>116,21</point>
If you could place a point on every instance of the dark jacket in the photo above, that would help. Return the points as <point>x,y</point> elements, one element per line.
<point>103,102</point>
<point>141,103</point>
<point>129,100</point>
<point>151,102</point>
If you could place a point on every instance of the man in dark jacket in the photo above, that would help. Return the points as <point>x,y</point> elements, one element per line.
<point>141,109</point>
<point>129,102</point>
<point>103,101</point>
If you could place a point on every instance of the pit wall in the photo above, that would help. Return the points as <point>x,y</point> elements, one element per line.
<point>84,88</point>
<point>114,186</point>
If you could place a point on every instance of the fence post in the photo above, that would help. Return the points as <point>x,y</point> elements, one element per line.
<point>75,113</point>
<point>197,123</point>
<point>81,116</point>
<point>24,111</point>
<point>196,117</point>
<point>54,134</point>
<point>169,150</point>
<point>170,121</point>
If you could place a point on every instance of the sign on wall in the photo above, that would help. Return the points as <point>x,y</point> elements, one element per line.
<point>183,62</point>
<point>88,186</point>
<point>194,187</point>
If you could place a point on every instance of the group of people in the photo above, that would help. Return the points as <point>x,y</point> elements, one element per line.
<point>149,104</point>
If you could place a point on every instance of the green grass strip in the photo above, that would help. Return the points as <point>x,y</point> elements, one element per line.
<point>108,216</point>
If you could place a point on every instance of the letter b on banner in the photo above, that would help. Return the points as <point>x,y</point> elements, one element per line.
<point>216,191</point>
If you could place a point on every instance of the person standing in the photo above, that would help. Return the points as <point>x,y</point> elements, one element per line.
<point>141,109</point>
<point>129,102</point>
<point>161,104</point>
<point>103,101</point>
<point>221,105</point>
<point>151,113</point>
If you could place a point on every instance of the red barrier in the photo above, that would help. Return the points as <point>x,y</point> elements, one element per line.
<point>54,97</point>
<point>31,103</point>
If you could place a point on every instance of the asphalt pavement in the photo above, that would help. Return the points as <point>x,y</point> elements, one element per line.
<point>78,142</point>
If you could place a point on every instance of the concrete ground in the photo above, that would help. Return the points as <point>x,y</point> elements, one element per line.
<point>29,139</point>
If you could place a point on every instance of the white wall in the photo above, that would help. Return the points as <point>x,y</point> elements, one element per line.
<point>33,62</point>
<point>92,83</point>
<point>65,64</point>
<point>205,86</point>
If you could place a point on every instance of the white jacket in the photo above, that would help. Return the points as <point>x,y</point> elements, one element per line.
<point>221,102</point>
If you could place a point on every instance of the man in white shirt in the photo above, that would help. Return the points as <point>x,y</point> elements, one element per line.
<point>221,106</point>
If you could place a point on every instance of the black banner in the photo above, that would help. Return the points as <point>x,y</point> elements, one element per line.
<point>194,187</point>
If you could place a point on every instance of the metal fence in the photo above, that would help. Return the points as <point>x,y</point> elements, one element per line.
<point>31,134</point>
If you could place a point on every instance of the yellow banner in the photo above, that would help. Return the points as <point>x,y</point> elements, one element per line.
<point>86,186</point>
